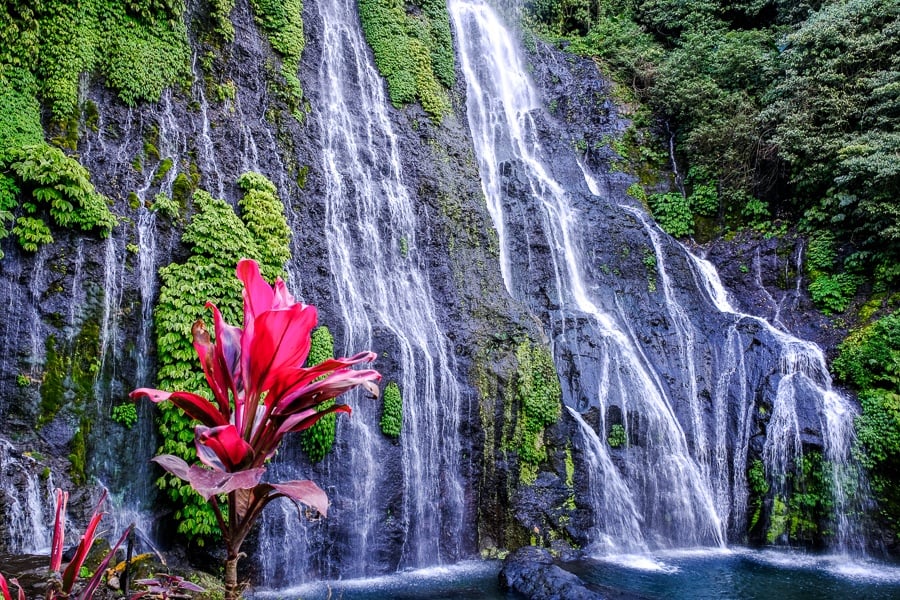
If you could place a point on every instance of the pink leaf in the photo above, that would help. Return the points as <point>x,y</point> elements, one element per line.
<point>305,491</point>
<point>280,343</point>
<point>84,546</point>
<point>225,442</point>
<point>88,592</point>
<point>193,405</point>
<point>209,483</point>
<point>258,294</point>
<point>59,531</point>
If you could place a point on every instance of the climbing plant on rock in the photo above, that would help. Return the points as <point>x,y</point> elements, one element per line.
<point>318,440</point>
<point>539,395</point>
<point>392,413</point>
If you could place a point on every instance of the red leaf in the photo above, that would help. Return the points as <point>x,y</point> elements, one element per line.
<point>331,387</point>
<point>206,351</point>
<point>227,444</point>
<point>258,294</point>
<point>59,531</point>
<point>84,546</point>
<point>304,491</point>
<point>4,588</point>
<point>209,483</point>
<point>88,592</point>
<point>195,406</point>
<point>280,343</point>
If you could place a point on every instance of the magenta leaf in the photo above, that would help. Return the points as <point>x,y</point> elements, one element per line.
<point>206,482</point>
<point>193,405</point>
<point>84,546</point>
<point>229,448</point>
<point>59,531</point>
<point>88,592</point>
<point>304,491</point>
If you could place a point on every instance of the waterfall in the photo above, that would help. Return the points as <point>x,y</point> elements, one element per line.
<point>384,300</point>
<point>664,481</point>
<point>685,391</point>
<point>804,371</point>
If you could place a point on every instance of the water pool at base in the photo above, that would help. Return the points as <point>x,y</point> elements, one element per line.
<point>738,574</point>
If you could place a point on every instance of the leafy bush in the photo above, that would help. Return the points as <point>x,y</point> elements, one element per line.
<point>318,440</point>
<point>282,22</point>
<point>218,239</point>
<point>833,293</point>
<point>125,414</point>
<point>539,394</point>
<point>413,52</point>
<point>392,412</point>
<point>616,438</point>
<point>869,360</point>
<point>673,213</point>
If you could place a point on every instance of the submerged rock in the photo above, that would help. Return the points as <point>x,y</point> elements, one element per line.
<point>533,572</point>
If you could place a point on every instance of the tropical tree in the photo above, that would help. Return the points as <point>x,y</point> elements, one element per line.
<point>260,392</point>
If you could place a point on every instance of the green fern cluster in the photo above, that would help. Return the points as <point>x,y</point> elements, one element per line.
<point>48,181</point>
<point>617,436</point>
<point>318,440</point>
<point>282,22</point>
<point>413,50</point>
<point>539,394</point>
<point>218,239</point>
<point>392,414</point>
<point>140,47</point>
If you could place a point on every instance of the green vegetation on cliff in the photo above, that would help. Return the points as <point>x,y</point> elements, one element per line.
<point>869,360</point>
<point>318,440</point>
<point>218,238</point>
<point>413,50</point>
<point>779,111</point>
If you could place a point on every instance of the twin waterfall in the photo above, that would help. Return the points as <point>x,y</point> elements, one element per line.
<point>670,390</point>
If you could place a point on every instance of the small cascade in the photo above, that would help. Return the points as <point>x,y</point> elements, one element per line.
<point>25,502</point>
<point>206,150</point>
<point>617,522</point>
<point>804,374</point>
<point>411,493</point>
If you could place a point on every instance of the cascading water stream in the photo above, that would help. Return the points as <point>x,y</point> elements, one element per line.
<point>803,370</point>
<point>382,293</point>
<point>664,482</point>
<point>681,478</point>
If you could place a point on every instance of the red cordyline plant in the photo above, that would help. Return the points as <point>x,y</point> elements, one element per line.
<point>261,392</point>
<point>61,584</point>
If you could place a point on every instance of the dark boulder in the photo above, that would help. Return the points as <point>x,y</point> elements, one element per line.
<point>533,572</point>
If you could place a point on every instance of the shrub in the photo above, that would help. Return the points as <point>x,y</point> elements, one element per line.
<point>673,213</point>
<point>392,412</point>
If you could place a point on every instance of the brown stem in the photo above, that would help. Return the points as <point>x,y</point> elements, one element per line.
<point>232,590</point>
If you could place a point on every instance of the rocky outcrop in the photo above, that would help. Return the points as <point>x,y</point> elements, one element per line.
<point>534,573</point>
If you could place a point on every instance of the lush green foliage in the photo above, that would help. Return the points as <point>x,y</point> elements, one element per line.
<point>282,21</point>
<point>125,414</point>
<point>617,437</point>
<point>140,47</point>
<point>218,239</point>
<point>318,440</point>
<point>673,213</point>
<point>392,413</point>
<point>49,183</point>
<point>413,50</point>
<point>539,395</point>
<point>869,360</point>
<point>779,110</point>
